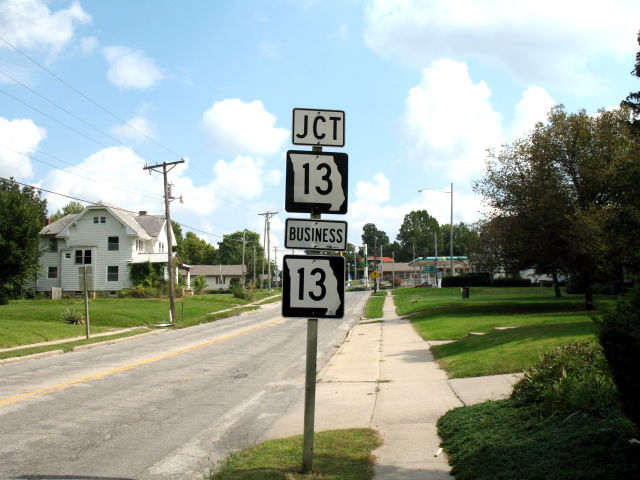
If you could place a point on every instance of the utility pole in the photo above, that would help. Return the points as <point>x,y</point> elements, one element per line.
<point>451,233</point>
<point>243,244</point>
<point>254,266</point>
<point>267,220</point>
<point>167,201</point>
<point>275,260</point>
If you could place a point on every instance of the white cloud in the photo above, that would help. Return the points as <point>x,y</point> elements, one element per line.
<point>88,45</point>
<point>131,69</point>
<point>30,24</point>
<point>449,122</point>
<point>243,127</point>
<point>243,176</point>
<point>534,107</point>
<point>538,41</point>
<point>366,208</point>
<point>137,129</point>
<point>375,192</point>
<point>21,135</point>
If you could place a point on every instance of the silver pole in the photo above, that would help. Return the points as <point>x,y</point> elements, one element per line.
<point>451,233</point>
<point>86,302</point>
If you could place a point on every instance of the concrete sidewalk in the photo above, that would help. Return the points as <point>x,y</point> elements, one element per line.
<point>384,377</point>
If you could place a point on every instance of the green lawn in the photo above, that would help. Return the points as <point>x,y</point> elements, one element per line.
<point>31,321</point>
<point>374,306</point>
<point>543,322</point>
<point>338,455</point>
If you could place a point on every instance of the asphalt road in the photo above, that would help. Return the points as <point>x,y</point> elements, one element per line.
<point>166,406</point>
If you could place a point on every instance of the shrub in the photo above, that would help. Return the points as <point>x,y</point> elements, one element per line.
<point>199,283</point>
<point>138,291</point>
<point>241,293</point>
<point>511,282</point>
<point>619,335</point>
<point>70,315</point>
<point>567,379</point>
<point>481,279</point>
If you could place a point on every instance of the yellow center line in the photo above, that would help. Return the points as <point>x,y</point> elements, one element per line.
<point>106,373</point>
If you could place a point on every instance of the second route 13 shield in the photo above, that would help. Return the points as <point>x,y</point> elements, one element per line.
<point>316,182</point>
<point>313,286</point>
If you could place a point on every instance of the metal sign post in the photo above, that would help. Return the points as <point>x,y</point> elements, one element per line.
<point>313,285</point>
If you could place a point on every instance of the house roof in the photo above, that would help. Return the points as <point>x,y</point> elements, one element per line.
<point>215,270</point>
<point>125,217</point>
<point>144,226</point>
<point>56,227</point>
<point>152,224</point>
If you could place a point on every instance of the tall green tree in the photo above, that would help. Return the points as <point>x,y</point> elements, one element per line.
<point>417,234</point>
<point>230,251</point>
<point>69,208</point>
<point>22,216</point>
<point>551,193</point>
<point>374,239</point>
<point>193,250</point>
<point>463,238</point>
<point>633,99</point>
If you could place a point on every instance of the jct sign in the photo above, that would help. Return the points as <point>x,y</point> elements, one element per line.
<point>318,127</point>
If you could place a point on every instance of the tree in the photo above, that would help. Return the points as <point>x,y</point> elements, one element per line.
<point>193,250</point>
<point>22,215</point>
<point>416,235</point>
<point>552,192</point>
<point>69,208</point>
<point>230,251</point>
<point>633,99</point>
<point>374,239</point>
<point>463,238</point>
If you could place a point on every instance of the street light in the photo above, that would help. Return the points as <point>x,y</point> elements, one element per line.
<point>450,221</point>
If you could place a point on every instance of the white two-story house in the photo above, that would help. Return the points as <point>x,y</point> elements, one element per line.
<point>104,238</point>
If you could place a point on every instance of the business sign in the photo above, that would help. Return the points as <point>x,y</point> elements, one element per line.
<point>318,127</point>
<point>429,269</point>
<point>311,234</point>
<point>313,286</point>
<point>316,182</point>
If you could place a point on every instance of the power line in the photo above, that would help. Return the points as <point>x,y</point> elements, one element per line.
<point>110,206</point>
<point>139,192</point>
<point>104,109</point>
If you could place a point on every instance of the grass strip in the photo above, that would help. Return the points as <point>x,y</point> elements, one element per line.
<point>338,455</point>
<point>499,441</point>
<point>508,351</point>
<point>68,346</point>
<point>373,308</point>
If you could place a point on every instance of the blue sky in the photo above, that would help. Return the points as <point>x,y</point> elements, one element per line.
<point>427,86</point>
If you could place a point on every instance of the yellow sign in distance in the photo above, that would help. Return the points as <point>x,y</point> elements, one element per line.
<point>375,274</point>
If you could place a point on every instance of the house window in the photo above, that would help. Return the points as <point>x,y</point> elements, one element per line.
<point>112,274</point>
<point>53,245</point>
<point>103,219</point>
<point>113,243</point>
<point>83,257</point>
<point>52,272</point>
<point>139,245</point>
<point>67,255</point>
<point>95,219</point>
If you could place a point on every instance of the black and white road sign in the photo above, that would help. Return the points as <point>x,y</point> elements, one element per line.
<point>318,127</point>
<point>316,182</point>
<point>313,286</point>
<point>312,234</point>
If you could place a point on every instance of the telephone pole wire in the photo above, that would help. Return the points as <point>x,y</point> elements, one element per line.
<point>167,167</point>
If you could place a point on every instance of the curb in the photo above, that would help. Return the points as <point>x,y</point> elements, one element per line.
<point>50,353</point>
